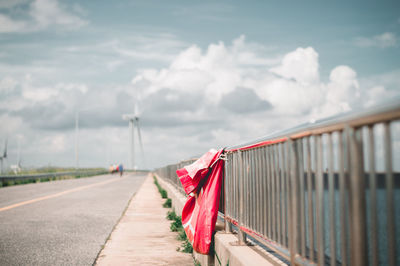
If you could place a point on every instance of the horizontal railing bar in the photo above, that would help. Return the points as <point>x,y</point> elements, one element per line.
<point>282,251</point>
<point>383,113</point>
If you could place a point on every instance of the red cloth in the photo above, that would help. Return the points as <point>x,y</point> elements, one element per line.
<point>200,212</point>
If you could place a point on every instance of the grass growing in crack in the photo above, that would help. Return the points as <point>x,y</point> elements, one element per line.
<point>171,215</point>
<point>162,191</point>
<point>181,235</point>
<point>187,247</point>
<point>176,226</point>
<point>164,194</point>
<point>167,203</point>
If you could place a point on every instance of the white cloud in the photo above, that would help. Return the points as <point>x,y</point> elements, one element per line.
<point>292,86</point>
<point>384,40</point>
<point>41,15</point>
<point>49,12</point>
<point>8,24</point>
<point>301,65</point>
<point>114,64</point>
<point>217,71</point>
<point>13,125</point>
<point>62,92</point>
<point>7,85</point>
<point>374,94</point>
<point>9,4</point>
<point>54,144</point>
<point>341,93</point>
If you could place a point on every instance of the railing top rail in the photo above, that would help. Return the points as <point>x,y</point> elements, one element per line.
<point>383,113</point>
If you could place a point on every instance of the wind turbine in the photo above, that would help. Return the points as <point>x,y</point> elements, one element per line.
<point>134,122</point>
<point>77,139</point>
<point>4,155</point>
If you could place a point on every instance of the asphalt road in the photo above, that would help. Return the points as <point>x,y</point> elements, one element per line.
<point>62,222</point>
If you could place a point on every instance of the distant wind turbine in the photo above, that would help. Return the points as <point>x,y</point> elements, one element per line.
<point>77,139</point>
<point>4,155</point>
<point>134,122</point>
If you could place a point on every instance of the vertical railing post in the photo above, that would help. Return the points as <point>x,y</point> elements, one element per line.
<point>319,182</point>
<point>332,206</point>
<point>241,233</point>
<point>227,195</point>
<point>390,209</point>
<point>357,187</point>
<point>294,217</point>
<point>310,200</point>
<point>372,198</point>
<point>342,155</point>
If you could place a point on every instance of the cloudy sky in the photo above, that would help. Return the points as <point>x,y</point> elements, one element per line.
<point>202,74</point>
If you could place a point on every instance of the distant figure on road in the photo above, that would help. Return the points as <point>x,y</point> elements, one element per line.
<point>121,169</point>
<point>114,169</point>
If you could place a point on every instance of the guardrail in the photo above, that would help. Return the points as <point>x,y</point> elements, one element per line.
<point>169,173</point>
<point>35,177</point>
<point>313,194</point>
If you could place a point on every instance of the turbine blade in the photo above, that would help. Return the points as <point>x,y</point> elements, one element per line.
<point>141,143</point>
<point>5,149</point>
<point>136,109</point>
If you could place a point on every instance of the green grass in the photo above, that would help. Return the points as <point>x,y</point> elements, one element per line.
<point>176,224</point>
<point>167,203</point>
<point>187,247</point>
<point>181,235</point>
<point>176,221</point>
<point>171,215</point>
<point>46,179</point>
<point>164,194</point>
<point>162,191</point>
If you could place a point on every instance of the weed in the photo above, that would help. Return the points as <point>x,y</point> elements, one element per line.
<point>187,247</point>
<point>162,191</point>
<point>176,224</point>
<point>181,235</point>
<point>171,215</point>
<point>164,194</point>
<point>167,203</point>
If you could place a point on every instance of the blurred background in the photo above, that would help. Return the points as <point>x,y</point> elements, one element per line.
<point>198,75</point>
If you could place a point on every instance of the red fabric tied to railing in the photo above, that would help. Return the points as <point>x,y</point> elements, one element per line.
<point>202,180</point>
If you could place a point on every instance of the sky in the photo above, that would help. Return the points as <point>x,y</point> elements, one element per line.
<point>200,74</point>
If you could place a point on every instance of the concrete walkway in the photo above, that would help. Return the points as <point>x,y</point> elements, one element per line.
<point>143,237</point>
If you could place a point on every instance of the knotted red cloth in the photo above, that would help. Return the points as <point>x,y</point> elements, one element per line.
<point>202,180</point>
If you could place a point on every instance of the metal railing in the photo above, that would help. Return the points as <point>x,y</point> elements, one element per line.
<point>169,172</point>
<point>314,194</point>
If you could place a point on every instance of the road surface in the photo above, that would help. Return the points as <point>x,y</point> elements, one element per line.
<point>62,222</point>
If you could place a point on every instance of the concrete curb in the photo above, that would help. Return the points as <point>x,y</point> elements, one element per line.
<point>225,252</point>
